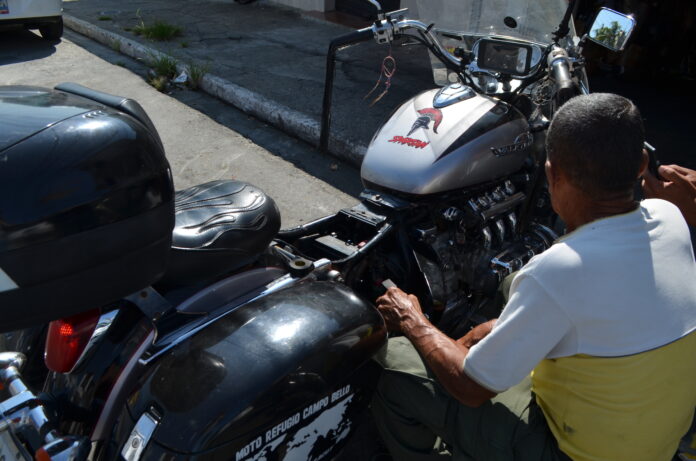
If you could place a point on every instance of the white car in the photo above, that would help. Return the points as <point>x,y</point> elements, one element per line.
<point>45,15</point>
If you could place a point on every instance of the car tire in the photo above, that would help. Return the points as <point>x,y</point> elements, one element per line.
<point>52,31</point>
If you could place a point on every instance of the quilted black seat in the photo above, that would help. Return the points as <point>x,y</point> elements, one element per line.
<point>220,226</point>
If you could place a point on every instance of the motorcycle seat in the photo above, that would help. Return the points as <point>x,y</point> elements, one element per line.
<point>220,227</point>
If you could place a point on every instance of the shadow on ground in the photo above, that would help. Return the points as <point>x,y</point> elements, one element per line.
<point>22,45</point>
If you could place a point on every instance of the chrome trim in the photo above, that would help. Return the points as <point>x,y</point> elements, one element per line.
<point>512,220</point>
<point>376,5</point>
<point>26,410</point>
<point>103,324</point>
<point>67,449</point>
<point>10,365</point>
<point>139,437</point>
<point>413,24</point>
<point>452,94</point>
<point>11,360</point>
<point>500,228</point>
<point>395,22</point>
<point>487,237</point>
<point>322,266</point>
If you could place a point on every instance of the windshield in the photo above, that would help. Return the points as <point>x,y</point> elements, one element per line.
<point>533,20</point>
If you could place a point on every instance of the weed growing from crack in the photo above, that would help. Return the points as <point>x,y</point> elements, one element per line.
<point>159,82</point>
<point>195,74</point>
<point>158,30</point>
<point>184,44</point>
<point>104,18</point>
<point>116,45</point>
<point>163,65</point>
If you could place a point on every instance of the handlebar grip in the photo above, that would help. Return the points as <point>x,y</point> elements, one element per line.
<point>560,71</point>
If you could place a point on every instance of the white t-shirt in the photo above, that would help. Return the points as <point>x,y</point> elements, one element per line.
<point>613,287</point>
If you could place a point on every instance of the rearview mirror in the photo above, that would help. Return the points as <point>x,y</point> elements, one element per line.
<point>611,29</point>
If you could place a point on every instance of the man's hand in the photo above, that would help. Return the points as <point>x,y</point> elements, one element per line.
<point>678,187</point>
<point>445,357</point>
<point>401,311</point>
<point>476,334</point>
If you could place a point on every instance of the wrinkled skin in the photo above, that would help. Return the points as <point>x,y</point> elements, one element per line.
<point>403,314</point>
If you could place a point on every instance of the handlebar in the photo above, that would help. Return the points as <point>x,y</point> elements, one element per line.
<point>432,41</point>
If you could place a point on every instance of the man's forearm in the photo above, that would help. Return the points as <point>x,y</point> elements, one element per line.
<point>445,358</point>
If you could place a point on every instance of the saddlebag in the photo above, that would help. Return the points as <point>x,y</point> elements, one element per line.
<point>281,377</point>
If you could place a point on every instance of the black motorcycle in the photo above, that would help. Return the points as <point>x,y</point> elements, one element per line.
<point>186,325</point>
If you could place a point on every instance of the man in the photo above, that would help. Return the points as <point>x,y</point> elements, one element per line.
<point>604,320</point>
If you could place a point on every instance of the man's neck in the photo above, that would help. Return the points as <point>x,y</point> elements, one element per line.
<point>586,210</point>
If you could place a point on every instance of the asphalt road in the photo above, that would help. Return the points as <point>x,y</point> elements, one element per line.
<point>204,138</point>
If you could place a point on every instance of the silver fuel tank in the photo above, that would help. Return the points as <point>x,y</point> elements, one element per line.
<point>446,139</point>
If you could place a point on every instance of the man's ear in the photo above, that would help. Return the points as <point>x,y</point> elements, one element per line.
<point>551,172</point>
<point>644,160</point>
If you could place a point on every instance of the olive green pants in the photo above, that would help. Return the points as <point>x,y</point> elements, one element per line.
<point>413,412</point>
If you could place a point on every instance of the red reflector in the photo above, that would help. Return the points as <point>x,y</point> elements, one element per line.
<point>67,339</point>
<point>42,455</point>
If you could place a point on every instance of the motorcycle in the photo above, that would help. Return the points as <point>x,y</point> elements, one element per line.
<point>215,334</point>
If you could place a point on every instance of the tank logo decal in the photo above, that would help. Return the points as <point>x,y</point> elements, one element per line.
<point>418,144</point>
<point>522,142</point>
<point>326,425</point>
<point>427,116</point>
<point>6,283</point>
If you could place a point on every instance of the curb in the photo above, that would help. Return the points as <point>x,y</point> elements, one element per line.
<point>282,117</point>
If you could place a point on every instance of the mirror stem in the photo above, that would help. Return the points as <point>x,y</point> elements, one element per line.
<point>380,13</point>
<point>563,27</point>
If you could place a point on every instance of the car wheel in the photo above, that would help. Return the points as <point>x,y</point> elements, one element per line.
<point>52,31</point>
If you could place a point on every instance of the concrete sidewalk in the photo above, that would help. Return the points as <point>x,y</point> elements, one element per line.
<point>266,60</point>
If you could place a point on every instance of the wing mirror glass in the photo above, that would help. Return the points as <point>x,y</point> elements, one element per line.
<point>611,29</point>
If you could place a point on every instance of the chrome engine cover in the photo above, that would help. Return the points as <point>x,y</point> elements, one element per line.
<point>447,139</point>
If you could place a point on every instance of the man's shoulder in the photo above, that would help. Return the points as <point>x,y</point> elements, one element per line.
<point>664,213</point>
<point>613,237</point>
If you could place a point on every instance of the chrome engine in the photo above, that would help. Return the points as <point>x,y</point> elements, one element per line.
<point>471,245</point>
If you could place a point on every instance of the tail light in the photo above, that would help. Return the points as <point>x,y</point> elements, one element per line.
<point>67,339</point>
